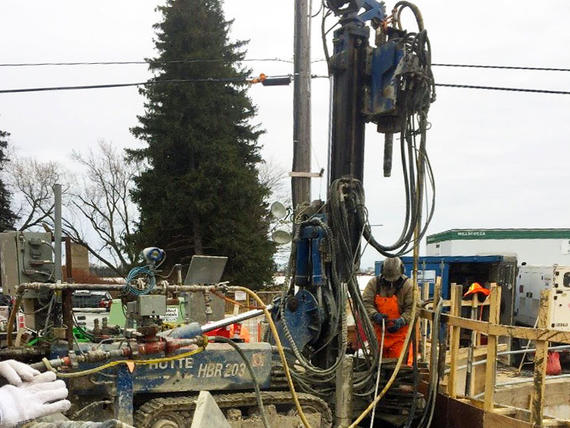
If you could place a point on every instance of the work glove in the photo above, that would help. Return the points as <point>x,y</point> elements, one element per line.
<point>378,317</point>
<point>40,397</point>
<point>16,372</point>
<point>396,324</point>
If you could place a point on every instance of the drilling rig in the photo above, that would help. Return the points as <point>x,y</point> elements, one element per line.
<point>149,375</point>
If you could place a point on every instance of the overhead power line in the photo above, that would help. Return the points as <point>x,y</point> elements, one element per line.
<point>274,59</point>
<point>502,67</point>
<point>499,88</point>
<point>177,61</point>
<point>265,80</point>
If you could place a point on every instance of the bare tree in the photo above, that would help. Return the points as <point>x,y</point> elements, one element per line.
<point>31,182</point>
<point>103,200</point>
<point>275,177</point>
<point>97,212</point>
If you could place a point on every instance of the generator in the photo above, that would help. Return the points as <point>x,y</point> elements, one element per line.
<point>531,281</point>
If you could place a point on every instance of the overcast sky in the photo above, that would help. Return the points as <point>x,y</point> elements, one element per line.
<point>500,159</point>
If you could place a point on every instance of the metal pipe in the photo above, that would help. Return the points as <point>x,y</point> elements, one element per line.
<point>66,286</point>
<point>232,320</point>
<point>519,351</point>
<point>57,232</point>
<point>117,287</point>
<point>521,381</point>
<point>470,353</point>
<point>194,329</point>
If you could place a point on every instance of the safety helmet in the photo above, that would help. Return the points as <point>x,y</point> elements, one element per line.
<point>476,288</point>
<point>392,269</point>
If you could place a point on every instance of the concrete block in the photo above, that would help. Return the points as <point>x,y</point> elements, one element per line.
<point>207,413</point>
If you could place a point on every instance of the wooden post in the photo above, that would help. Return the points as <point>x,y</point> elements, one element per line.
<point>540,358</point>
<point>437,292</point>
<point>491,367</point>
<point>469,378</point>
<point>301,186</point>
<point>424,324</point>
<point>456,294</point>
<point>436,299</point>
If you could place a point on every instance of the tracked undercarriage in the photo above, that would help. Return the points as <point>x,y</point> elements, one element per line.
<point>240,409</point>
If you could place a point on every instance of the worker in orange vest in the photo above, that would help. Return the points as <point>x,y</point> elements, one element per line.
<point>389,298</point>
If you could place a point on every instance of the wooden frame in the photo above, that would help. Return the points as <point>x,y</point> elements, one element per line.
<point>542,335</point>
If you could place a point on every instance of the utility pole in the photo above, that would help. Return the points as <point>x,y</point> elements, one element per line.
<point>301,186</point>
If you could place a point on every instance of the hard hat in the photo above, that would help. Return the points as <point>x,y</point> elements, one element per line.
<point>392,269</point>
<point>476,288</point>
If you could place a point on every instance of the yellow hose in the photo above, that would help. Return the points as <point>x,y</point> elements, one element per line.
<point>279,349</point>
<point>117,362</point>
<point>398,364</point>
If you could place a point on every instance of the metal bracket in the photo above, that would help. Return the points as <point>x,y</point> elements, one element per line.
<point>303,174</point>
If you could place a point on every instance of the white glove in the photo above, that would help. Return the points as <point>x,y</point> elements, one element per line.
<point>43,396</point>
<point>15,372</point>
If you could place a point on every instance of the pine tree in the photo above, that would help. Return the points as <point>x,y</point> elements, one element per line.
<point>201,193</point>
<point>7,217</point>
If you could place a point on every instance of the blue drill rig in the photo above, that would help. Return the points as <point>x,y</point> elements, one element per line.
<point>149,377</point>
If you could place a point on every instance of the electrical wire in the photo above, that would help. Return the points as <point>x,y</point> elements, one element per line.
<point>251,373</point>
<point>248,80</point>
<point>499,88</point>
<point>147,272</point>
<point>145,62</point>
<point>129,84</point>
<point>274,59</point>
<point>501,67</point>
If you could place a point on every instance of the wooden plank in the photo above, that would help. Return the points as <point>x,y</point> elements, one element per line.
<point>503,330</point>
<point>494,420</point>
<point>540,359</point>
<point>505,411</point>
<point>491,369</point>
<point>556,423</point>
<point>456,294</point>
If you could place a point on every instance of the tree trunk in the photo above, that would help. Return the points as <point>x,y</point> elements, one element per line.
<point>198,249</point>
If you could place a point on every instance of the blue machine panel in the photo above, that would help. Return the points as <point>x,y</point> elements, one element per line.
<point>219,367</point>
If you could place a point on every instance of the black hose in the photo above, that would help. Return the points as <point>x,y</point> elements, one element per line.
<point>251,373</point>
<point>427,415</point>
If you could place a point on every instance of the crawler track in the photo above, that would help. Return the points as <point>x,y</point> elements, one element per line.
<point>176,412</point>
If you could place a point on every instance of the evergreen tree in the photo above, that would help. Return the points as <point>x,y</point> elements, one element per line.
<point>7,217</point>
<point>201,193</point>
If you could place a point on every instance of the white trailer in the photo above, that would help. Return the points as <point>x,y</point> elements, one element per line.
<point>531,281</point>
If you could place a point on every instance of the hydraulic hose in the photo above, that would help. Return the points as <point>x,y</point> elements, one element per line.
<point>416,381</point>
<point>279,350</point>
<point>379,370</point>
<point>251,373</point>
<point>434,370</point>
